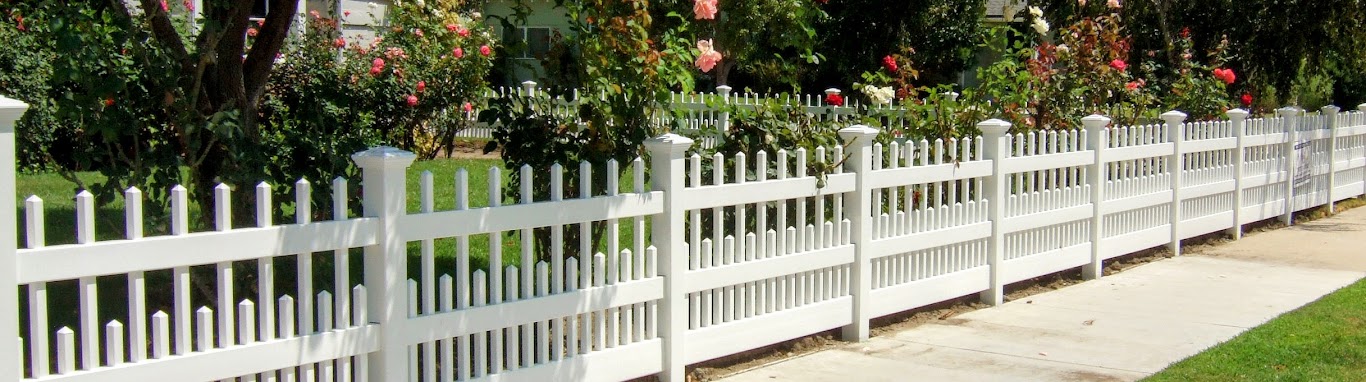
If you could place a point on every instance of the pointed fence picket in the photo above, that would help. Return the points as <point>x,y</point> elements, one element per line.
<point>740,251</point>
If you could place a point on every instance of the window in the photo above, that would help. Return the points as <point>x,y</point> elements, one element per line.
<point>527,42</point>
<point>258,8</point>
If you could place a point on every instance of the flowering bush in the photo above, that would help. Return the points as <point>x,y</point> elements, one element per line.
<point>1198,89</point>
<point>406,86</point>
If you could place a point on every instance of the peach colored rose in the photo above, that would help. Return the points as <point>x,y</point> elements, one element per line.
<point>707,57</point>
<point>704,9</point>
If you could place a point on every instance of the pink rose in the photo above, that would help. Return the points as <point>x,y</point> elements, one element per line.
<point>485,50</point>
<point>706,57</point>
<point>457,52</point>
<point>463,32</point>
<point>704,9</point>
<point>164,7</point>
<point>451,27</point>
<point>339,42</point>
<point>1119,65</point>
<point>418,32</point>
<point>469,107</point>
<point>189,5</point>
<point>421,86</point>
<point>251,32</point>
<point>412,100</point>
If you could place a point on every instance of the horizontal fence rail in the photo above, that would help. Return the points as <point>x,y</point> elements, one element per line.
<point>614,271</point>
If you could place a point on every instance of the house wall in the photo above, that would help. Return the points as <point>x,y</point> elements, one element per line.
<point>542,14</point>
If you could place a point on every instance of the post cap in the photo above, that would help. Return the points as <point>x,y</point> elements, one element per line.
<point>724,89</point>
<point>668,143</point>
<point>852,133</point>
<point>10,111</point>
<point>383,157</point>
<point>1237,114</point>
<point>1330,109</point>
<point>1361,107</point>
<point>832,91</point>
<point>529,86</point>
<point>1288,110</point>
<point>993,127</point>
<point>1095,122</point>
<point>951,95</point>
<point>1173,116</point>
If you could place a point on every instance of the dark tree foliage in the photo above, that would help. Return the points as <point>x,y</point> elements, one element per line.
<point>944,34</point>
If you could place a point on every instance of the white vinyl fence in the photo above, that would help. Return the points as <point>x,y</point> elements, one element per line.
<point>702,115</point>
<point>707,262</point>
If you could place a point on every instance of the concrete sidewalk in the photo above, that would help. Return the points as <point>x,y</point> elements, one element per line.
<point>1119,328</point>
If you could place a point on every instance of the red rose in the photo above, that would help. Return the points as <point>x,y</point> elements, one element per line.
<point>834,99</point>
<point>1225,75</point>
<point>108,102</point>
<point>1119,65</point>
<point>1186,32</point>
<point>1247,99</point>
<point>889,63</point>
<point>421,86</point>
<point>251,32</point>
<point>412,100</point>
<point>339,42</point>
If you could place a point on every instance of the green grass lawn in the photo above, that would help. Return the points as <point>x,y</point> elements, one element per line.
<point>1322,341</point>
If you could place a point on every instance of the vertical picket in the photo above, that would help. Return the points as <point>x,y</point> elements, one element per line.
<point>180,225</point>
<point>341,258</point>
<point>265,266</point>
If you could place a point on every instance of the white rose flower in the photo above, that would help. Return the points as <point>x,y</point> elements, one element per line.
<point>1035,11</point>
<point>1040,26</point>
<point>879,95</point>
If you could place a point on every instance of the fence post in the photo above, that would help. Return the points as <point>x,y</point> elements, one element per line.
<point>1176,167</point>
<point>384,194</point>
<point>723,125</point>
<point>1289,115</point>
<point>667,175</point>
<point>528,88</point>
<point>858,209</point>
<point>1239,119</point>
<point>1097,140</point>
<point>1362,108</point>
<point>997,149</point>
<point>1330,122</point>
<point>10,111</point>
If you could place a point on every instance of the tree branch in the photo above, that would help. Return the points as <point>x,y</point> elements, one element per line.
<point>162,29</point>
<point>269,41</point>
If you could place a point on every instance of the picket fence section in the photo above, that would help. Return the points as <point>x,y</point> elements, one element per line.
<point>702,116</point>
<point>717,256</point>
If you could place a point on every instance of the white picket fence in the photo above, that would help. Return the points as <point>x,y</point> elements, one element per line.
<point>703,116</point>
<point>753,251</point>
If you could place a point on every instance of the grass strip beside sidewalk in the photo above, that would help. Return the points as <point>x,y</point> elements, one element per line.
<point>1322,341</point>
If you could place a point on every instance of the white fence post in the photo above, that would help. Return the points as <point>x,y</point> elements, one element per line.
<point>1097,140</point>
<point>858,209</point>
<point>1176,167</point>
<point>528,88</point>
<point>667,175</point>
<point>723,125</point>
<point>384,195</point>
<point>1289,115</point>
<point>997,149</point>
<point>1362,108</point>
<point>1239,120</point>
<point>1330,122</point>
<point>13,368</point>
